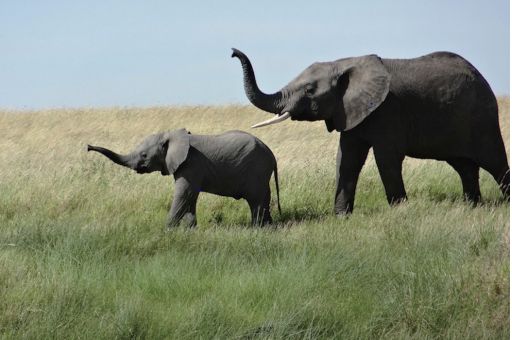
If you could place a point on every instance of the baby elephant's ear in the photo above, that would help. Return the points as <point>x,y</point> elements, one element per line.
<point>178,144</point>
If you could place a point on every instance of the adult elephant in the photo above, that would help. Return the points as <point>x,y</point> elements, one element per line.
<point>437,106</point>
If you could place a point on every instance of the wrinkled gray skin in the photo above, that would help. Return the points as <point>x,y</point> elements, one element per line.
<point>437,106</point>
<point>234,164</point>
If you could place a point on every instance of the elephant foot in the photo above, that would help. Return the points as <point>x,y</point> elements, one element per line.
<point>343,210</point>
<point>342,215</point>
<point>262,222</point>
<point>188,221</point>
<point>396,200</point>
<point>473,198</point>
<point>260,214</point>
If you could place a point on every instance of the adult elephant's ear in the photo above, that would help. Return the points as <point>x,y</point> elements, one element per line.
<point>364,84</point>
<point>178,144</point>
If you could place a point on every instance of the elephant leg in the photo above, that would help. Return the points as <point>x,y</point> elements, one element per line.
<point>493,158</point>
<point>501,173</point>
<point>183,205</point>
<point>502,177</point>
<point>468,172</point>
<point>503,180</point>
<point>389,163</point>
<point>260,208</point>
<point>351,156</point>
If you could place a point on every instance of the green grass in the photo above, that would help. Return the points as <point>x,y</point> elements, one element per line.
<point>84,254</point>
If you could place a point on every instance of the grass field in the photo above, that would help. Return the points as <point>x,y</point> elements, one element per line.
<point>83,251</point>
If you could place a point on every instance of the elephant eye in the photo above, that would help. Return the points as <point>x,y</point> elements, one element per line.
<point>143,155</point>
<point>310,90</point>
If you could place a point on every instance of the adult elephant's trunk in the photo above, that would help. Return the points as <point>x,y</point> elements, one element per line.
<point>267,102</point>
<point>124,160</point>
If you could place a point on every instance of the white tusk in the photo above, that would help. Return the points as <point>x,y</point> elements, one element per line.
<point>274,120</point>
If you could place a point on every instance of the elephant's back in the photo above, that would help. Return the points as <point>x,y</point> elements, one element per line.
<point>439,78</point>
<point>240,136</point>
<point>234,151</point>
<point>244,144</point>
<point>431,65</point>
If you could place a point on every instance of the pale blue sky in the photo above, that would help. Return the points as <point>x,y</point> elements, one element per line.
<point>143,53</point>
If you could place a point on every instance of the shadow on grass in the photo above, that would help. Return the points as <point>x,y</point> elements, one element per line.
<point>366,206</point>
<point>495,202</point>
<point>457,197</point>
<point>286,219</point>
<point>293,216</point>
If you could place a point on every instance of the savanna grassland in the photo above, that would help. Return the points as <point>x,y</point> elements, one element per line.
<point>84,254</point>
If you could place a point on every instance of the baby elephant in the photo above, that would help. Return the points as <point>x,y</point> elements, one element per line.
<point>234,164</point>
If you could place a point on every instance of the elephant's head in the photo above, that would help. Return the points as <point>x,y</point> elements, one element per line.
<point>163,152</point>
<point>342,93</point>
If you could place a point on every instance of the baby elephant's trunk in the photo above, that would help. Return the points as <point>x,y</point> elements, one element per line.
<point>114,157</point>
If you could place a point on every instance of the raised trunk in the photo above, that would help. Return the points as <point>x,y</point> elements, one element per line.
<point>123,160</point>
<point>267,102</point>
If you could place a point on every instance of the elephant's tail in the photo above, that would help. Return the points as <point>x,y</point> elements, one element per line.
<point>277,186</point>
